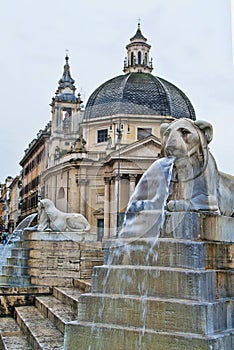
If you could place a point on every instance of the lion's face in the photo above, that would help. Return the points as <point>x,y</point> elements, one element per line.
<point>180,139</point>
<point>186,141</point>
<point>44,205</point>
<point>184,138</point>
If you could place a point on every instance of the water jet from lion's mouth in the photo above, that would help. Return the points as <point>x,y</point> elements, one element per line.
<point>145,211</point>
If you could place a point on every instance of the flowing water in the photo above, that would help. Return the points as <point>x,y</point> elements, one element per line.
<point>143,220</point>
<point>145,211</point>
<point>5,250</point>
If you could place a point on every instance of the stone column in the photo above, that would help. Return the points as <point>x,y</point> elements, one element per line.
<point>132,185</point>
<point>53,193</point>
<point>112,207</point>
<point>82,185</point>
<point>107,208</point>
<point>117,199</point>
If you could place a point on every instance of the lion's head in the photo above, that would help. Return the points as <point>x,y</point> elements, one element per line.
<point>45,207</point>
<point>45,204</point>
<point>187,142</point>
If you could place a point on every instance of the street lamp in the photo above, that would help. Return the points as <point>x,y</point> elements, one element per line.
<point>119,130</point>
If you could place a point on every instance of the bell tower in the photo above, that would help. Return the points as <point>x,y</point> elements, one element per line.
<point>137,59</point>
<point>66,117</point>
<point>65,105</point>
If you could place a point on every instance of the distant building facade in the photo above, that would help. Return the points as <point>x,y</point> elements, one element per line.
<point>5,202</point>
<point>33,163</point>
<point>14,203</point>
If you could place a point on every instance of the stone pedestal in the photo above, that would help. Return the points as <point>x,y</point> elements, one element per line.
<point>176,292</point>
<point>52,259</point>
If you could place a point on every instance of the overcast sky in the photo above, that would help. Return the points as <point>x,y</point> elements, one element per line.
<point>191,47</point>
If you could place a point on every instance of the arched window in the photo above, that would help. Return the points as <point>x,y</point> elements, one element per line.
<point>61,193</point>
<point>146,59</point>
<point>139,57</point>
<point>132,58</point>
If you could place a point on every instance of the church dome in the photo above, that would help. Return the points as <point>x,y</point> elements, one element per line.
<point>138,93</point>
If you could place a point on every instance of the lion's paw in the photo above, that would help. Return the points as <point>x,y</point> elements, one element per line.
<point>179,205</point>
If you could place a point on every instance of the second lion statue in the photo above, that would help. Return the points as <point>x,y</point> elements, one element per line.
<point>52,219</point>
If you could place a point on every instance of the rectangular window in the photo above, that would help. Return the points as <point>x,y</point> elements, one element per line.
<point>100,229</point>
<point>67,112</point>
<point>143,132</point>
<point>102,135</point>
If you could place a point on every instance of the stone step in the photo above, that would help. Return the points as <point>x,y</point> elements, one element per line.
<point>18,244</point>
<point>19,342</point>
<point>168,315</point>
<point>56,311</point>
<point>6,280</point>
<point>14,270</point>
<point>170,252</point>
<point>41,333</point>
<point>20,252</point>
<point>68,296</point>
<point>11,337</point>
<point>9,326</point>
<point>16,261</point>
<point>95,336</point>
<point>12,296</point>
<point>155,281</point>
<point>83,285</point>
<point>225,284</point>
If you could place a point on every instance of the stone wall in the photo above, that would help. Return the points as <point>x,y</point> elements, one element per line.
<point>52,259</point>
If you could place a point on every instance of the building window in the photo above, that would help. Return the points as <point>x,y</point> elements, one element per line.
<point>132,58</point>
<point>102,135</point>
<point>139,57</point>
<point>100,229</point>
<point>67,112</point>
<point>143,132</point>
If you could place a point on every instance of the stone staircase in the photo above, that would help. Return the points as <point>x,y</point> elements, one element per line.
<point>176,293</point>
<point>45,259</point>
<point>41,326</point>
<point>14,269</point>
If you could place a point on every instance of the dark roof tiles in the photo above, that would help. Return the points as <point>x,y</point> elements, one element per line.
<point>140,94</point>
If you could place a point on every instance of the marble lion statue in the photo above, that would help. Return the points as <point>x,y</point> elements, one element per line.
<point>196,184</point>
<point>52,219</point>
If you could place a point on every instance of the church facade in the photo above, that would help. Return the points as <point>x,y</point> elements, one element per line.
<point>95,157</point>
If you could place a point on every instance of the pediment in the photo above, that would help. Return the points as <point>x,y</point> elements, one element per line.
<point>99,211</point>
<point>149,147</point>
